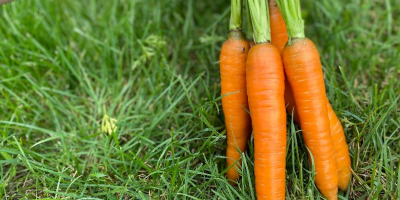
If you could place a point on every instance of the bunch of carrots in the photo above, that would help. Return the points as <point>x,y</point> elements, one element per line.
<point>280,71</point>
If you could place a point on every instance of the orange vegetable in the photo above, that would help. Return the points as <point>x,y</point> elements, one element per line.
<point>279,38</point>
<point>265,88</point>
<point>304,72</point>
<point>343,161</point>
<point>233,80</point>
<point>233,84</point>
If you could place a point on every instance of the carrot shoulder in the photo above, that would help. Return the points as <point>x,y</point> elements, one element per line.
<point>303,69</point>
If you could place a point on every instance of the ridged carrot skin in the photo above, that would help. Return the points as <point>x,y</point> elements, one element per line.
<point>343,161</point>
<point>304,71</point>
<point>265,89</point>
<point>233,80</point>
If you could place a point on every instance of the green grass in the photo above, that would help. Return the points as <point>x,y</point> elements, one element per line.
<point>153,66</point>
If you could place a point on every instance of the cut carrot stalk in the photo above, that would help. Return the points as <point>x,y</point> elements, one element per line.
<point>233,84</point>
<point>249,26</point>
<point>265,89</point>
<point>304,71</point>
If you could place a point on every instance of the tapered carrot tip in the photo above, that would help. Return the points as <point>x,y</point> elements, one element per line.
<point>330,194</point>
<point>344,182</point>
<point>232,175</point>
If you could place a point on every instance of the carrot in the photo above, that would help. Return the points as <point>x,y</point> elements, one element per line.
<point>233,84</point>
<point>306,77</point>
<point>343,161</point>
<point>304,71</point>
<point>279,38</point>
<point>265,88</point>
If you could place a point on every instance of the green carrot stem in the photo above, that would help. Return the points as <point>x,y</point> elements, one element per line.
<point>259,12</point>
<point>236,15</point>
<point>291,13</point>
<point>249,23</point>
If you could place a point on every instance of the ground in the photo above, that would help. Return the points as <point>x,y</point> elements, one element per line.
<point>153,67</point>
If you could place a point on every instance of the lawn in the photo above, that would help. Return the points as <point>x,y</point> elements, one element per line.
<point>153,67</point>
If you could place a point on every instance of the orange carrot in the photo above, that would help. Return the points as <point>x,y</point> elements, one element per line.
<point>279,38</point>
<point>303,68</point>
<point>343,161</point>
<point>304,71</point>
<point>233,80</point>
<point>265,88</point>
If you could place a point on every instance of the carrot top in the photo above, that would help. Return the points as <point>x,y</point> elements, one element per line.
<point>291,14</point>
<point>235,23</point>
<point>260,20</point>
<point>249,23</point>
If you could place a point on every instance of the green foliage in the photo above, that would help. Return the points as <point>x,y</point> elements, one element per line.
<point>291,13</point>
<point>260,20</point>
<point>235,22</point>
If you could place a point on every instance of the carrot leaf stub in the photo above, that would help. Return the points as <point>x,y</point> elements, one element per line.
<point>235,23</point>
<point>260,20</point>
